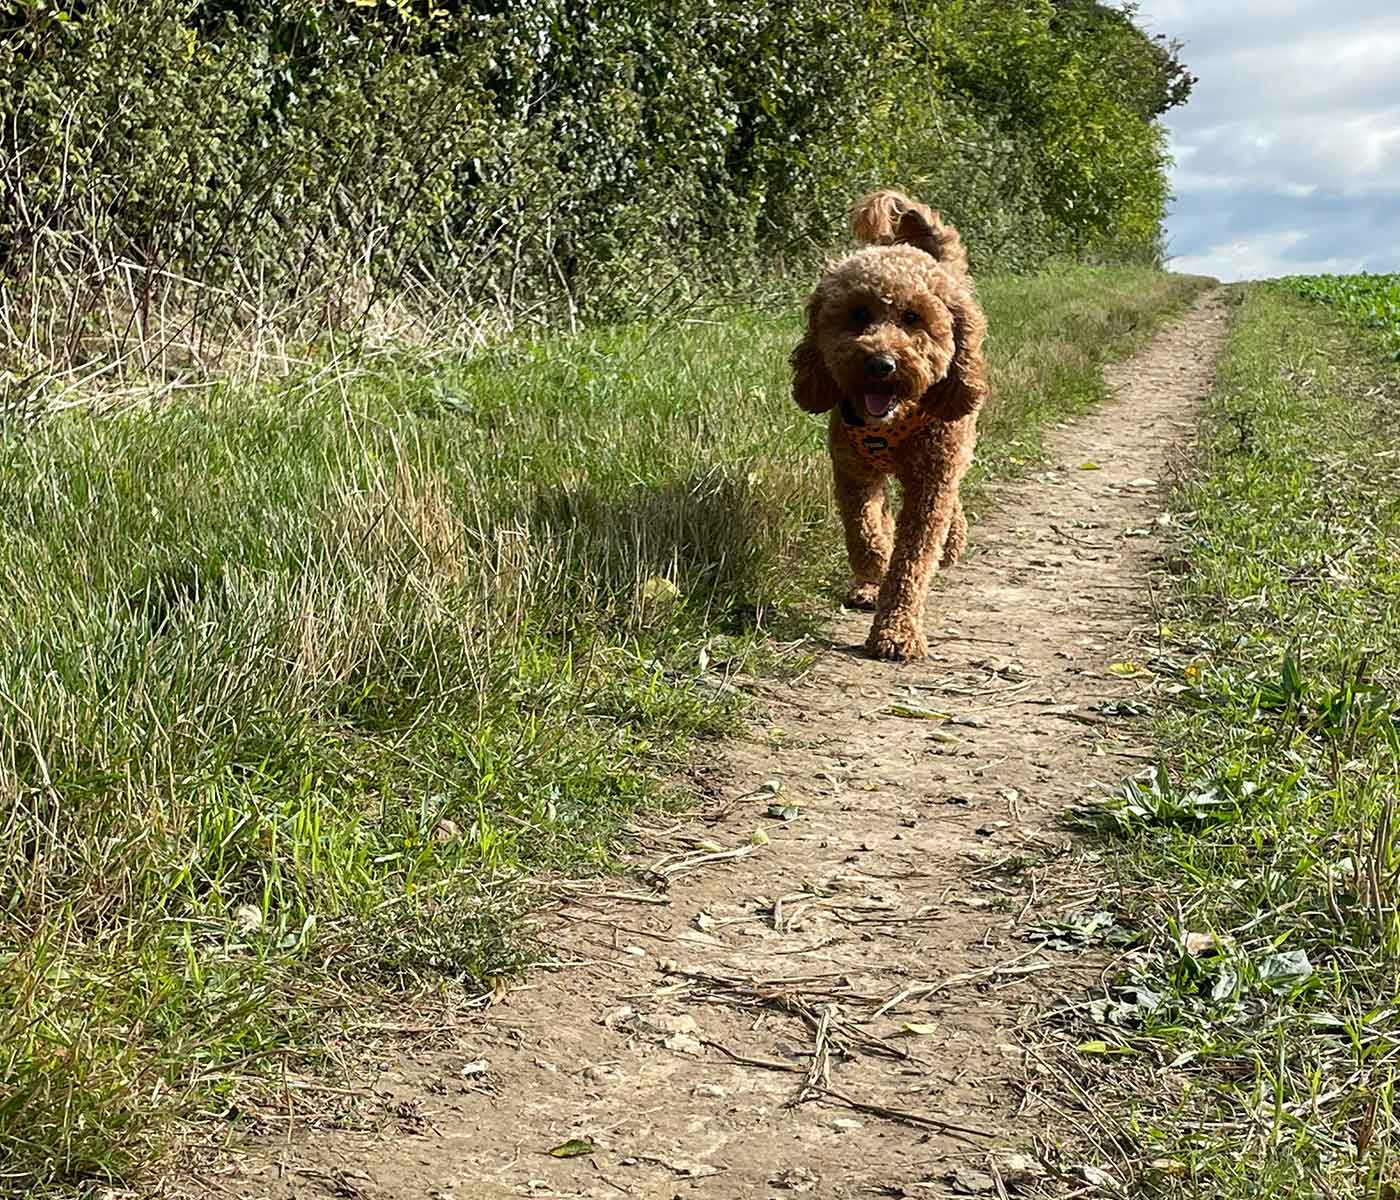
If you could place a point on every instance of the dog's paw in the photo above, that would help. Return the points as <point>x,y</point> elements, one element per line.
<point>863,596</point>
<point>896,643</point>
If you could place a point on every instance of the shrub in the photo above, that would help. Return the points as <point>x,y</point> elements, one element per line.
<point>184,168</point>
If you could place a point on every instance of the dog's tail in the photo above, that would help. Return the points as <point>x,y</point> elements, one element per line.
<point>889,218</point>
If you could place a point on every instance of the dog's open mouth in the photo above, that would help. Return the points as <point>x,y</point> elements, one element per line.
<point>877,404</point>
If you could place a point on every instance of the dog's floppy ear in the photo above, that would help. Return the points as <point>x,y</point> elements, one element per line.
<point>964,389</point>
<point>812,385</point>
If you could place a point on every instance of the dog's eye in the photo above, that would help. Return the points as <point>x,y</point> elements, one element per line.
<point>911,319</point>
<point>860,317</point>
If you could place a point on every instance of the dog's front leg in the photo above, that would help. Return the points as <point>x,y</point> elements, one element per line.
<point>865,517</point>
<point>860,495</point>
<point>925,518</point>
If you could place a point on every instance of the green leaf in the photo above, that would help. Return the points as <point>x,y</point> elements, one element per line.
<point>1285,970</point>
<point>1101,1047</point>
<point>573,1148</point>
<point>917,712</point>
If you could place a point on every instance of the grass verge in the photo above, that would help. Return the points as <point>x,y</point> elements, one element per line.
<point>1254,1036</point>
<point>303,686</point>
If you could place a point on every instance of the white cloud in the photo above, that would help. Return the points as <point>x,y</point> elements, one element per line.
<point>1288,154</point>
<point>1263,257</point>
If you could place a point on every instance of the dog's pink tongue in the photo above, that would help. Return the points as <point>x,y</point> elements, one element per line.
<point>877,405</point>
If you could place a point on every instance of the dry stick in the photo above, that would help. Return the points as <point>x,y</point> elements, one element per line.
<point>766,1064</point>
<point>615,927</point>
<point>753,985</point>
<point>1091,545</point>
<point>778,907</point>
<point>1105,1121</point>
<point>1031,901</point>
<point>819,1071</point>
<point>597,1170</point>
<point>584,892</point>
<point>819,944</point>
<point>690,864</point>
<point>896,1052</point>
<point>997,1179</point>
<point>920,990</point>
<point>768,993</point>
<point>920,1120</point>
<point>684,1172</point>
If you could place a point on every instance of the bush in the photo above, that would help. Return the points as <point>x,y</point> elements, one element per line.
<point>184,168</point>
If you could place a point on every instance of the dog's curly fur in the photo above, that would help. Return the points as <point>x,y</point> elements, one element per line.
<point>906,297</point>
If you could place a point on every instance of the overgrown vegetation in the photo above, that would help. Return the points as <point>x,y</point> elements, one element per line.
<point>1372,301</point>
<point>186,176</point>
<point>335,608</point>
<point>302,683</point>
<point>1256,1030</point>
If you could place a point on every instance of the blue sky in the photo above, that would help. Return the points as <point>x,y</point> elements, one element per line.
<point>1288,153</point>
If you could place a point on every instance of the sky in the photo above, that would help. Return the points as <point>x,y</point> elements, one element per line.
<point>1288,152</point>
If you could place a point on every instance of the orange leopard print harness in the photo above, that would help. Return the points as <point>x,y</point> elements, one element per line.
<point>876,444</point>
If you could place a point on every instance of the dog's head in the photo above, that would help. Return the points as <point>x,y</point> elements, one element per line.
<point>889,327</point>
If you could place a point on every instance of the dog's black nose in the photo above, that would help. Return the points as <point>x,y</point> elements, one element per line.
<point>879,366</point>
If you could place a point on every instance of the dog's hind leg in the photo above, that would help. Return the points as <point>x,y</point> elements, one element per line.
<point>956,541</point>
<point>865,513</point>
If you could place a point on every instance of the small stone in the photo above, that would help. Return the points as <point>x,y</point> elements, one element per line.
<point>665,1023</point>
<point>1018,1170</point>
<point>683,1043</point>
<point>966,1182</point>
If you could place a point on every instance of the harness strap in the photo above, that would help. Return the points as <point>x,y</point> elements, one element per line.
<point>876,444</point>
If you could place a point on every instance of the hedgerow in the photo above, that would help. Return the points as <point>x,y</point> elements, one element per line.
<point>287,163</point>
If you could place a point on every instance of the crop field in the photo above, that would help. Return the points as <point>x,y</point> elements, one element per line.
<point>1370,301</point>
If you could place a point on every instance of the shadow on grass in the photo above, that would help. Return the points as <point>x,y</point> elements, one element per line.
<point>721,541</point>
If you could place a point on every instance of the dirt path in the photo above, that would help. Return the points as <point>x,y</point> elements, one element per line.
<point>709,1040</point>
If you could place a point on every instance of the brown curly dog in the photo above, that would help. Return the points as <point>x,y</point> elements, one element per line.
<point>893,350</point>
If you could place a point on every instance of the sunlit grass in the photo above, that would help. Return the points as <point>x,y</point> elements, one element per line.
<point>1257,1019</point>
<point>302,686</point>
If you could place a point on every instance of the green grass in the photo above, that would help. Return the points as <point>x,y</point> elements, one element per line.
<point>303,685</point>
<point>1256,1032</point>
<point>1370,301</point>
